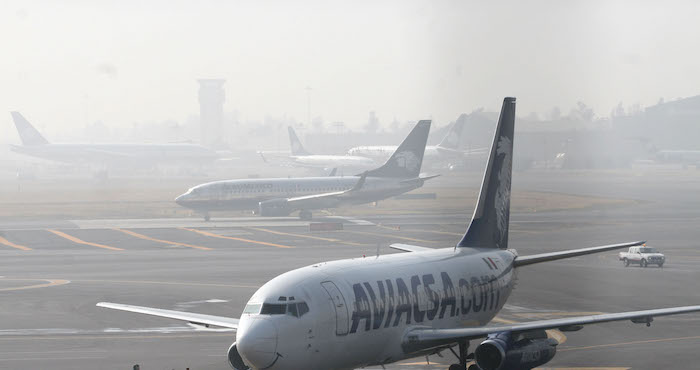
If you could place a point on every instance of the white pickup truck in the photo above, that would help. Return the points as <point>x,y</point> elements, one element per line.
<point>643,256</point>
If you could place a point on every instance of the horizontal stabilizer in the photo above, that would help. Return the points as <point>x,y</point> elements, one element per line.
<point>195,318</point>
<point>408,247</point>
<point>553,256</point>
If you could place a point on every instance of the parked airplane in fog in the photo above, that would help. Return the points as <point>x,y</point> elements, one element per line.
<point>108,155</point>
<point>300,157</point>
<point>448,150</point>
<point>374,311</point>
<point>283,196</point>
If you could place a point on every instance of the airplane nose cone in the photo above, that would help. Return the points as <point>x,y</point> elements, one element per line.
<point>256,341</point>
<point>181,200</point>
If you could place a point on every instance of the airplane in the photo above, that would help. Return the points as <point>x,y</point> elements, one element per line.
<point>108,155</point>
<point>300,157</point>
<point>374,311</point>
<point>283,196</point>
<point>447,149</point>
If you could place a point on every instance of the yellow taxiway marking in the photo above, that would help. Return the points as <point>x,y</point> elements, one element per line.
<point>8,243</point>
<point>552,333</point>
<point>629,343</point>
<point>80,241</point>
<point>206,233</point>
<point>304,236</point>
<point>49,283</point>
<point>392,236</point>
<point>146,237</point>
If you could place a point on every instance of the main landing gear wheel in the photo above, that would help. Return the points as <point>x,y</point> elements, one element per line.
<point>462,356</point>
<point>305,215</point>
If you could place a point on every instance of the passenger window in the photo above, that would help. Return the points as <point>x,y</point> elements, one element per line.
<point>273,309</point>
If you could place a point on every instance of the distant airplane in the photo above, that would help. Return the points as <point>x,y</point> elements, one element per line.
<point>300,157</point>
<point>684,157</point>
<point>363,312</point>
<point>108,155</point>
<point>283,196</point>
<point>448,150</point>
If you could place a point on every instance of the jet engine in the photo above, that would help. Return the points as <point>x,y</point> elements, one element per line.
<point>523,352</point>
<point>274,208</point>
<point>235,360</point>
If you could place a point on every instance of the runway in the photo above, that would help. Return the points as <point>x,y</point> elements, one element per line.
<point>53,272</point>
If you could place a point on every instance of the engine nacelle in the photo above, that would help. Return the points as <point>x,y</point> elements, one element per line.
<point>235,360</point>
<point>274,208</point>
<point>524,352</point>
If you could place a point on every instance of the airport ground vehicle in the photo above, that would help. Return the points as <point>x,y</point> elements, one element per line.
<point>643,256</point>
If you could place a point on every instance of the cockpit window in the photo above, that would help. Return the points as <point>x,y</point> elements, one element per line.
<point>252,308</point>
<point>303,308</point>
<point>273,309</point>
<point>292,310</point>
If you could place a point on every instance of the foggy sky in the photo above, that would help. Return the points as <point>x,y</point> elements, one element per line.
<point>70,63</point>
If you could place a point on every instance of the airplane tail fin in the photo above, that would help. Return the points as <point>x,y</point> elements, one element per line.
<point>406,161</point>
<point>27,133</point>
<point>454,135</point>
<point>295,143</point>
<point>489,224</point>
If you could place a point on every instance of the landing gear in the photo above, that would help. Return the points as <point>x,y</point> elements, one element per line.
<point>206,216</point>
<point>305,215</point>
<point>462,356</point>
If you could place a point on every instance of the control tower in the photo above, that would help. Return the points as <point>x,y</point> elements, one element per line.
<point>211,112</point>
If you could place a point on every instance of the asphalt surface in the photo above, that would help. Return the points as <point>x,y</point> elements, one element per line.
<point>53,273</point>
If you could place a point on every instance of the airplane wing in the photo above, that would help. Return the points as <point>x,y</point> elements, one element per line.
<point>421,178</point>
<point>195,318</point>
<point>284,206</point>
<point>408,247</point>
<point>107,154</point>
<point>545,257</point>
<point>424,338</point>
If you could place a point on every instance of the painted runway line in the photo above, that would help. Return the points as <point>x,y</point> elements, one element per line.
<point>212,235</point>
<point>146,237</point>
<point>80,241</point>
<point>8,243</point>
<point>49,283</point>
<point>305,236</point>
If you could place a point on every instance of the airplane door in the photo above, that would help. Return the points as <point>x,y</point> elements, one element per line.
<point>341,310</point>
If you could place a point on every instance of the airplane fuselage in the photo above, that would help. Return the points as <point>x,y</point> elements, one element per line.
<point>331,161</point>
<point>230,195</point>
<point>360,309</point>
<point>133,154</point>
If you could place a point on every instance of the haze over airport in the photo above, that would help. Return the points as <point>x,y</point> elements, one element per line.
<point>321,185</point>
<point>79,62</point>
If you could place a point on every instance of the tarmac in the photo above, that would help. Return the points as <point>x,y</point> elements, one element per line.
<point>53,272</point>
